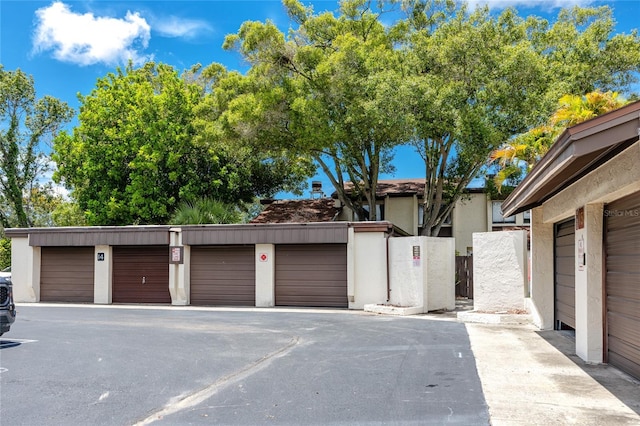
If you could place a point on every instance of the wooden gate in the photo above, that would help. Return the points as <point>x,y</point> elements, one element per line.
<point>464,276</point>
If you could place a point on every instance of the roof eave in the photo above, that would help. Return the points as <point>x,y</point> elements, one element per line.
<point>575,142</point>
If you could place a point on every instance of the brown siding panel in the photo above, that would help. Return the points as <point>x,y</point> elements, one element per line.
<point>311,275</point>
<point>96,235</point>
<point>141,274</point>
<point>622,221</point>
<point>564,274</point>
<point>311,233</point>
<point>67,274</point>
<point>223,276</point>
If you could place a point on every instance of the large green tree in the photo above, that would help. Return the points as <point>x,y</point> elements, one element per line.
<point>481,79</point>
<point>332,89</point>
<point>345,90</point>
<point>26,126</point>
<point>134,157</point>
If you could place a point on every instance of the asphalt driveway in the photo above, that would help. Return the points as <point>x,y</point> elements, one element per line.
<point>125,365</point>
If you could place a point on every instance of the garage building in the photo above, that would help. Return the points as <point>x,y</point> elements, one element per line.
<point>585,195</point>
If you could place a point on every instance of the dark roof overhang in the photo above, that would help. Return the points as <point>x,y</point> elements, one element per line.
<point>579,150</point>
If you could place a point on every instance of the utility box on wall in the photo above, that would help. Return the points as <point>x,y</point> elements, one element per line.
<point>422,272</point>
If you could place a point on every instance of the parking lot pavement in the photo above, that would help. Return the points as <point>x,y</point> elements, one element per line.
<point>131,365</point>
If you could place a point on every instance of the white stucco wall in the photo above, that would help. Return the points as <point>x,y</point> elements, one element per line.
<point>407,271</point>
<point>265,275</point>
<point>25,270</point>
<point>469,216</point>
<point>440,273</point>
<point>366,269</point>
<point>422,272</point>
<point>499,270</point>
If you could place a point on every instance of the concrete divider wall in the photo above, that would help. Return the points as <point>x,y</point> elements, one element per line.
<point>406,271</point>
<point>441,271</point>
<point>499,270</point>
<point>422,272</point>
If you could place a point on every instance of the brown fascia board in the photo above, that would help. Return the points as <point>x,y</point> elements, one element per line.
<point>577,141</point>
<point>87,229</point>
<point>16,232</point>
<point>381,226</point>
<point>94,235</point>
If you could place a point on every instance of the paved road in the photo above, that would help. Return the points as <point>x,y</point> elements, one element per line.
<point>83,365</point>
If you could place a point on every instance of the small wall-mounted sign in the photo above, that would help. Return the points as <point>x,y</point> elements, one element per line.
<point>582,257</point>
<point>580,218</point>
<point>100,257</point>
<point>176,254</point>
<point>416,255</point>
<point>263,257</point>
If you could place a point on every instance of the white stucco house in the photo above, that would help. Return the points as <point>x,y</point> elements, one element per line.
<point>585,237</point>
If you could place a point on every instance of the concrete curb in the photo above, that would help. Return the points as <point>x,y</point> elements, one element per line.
<point>393,310</point>
<point>493,318</point>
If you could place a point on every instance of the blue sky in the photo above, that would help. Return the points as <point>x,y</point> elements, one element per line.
<point>66,45</point>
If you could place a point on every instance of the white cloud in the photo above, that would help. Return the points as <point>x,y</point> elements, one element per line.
<point>85,39</point>
<point>544,4</point>
<point>180,27</point>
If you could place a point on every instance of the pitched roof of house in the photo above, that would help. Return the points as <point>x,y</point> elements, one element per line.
<point>399,188</point>
<point>393,187</point>
<point>298,211</point>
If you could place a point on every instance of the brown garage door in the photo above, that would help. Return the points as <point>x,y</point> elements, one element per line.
<point>141,274</point>
<point>622,221</point>
<point>564,275</point>
<point>223,276</point>
<point>66,274</point>
<point>311,275</point>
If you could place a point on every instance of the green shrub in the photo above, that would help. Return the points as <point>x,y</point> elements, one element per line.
<point>5,252</point>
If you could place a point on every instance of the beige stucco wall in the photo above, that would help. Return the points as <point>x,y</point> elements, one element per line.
<point>541,301</point>
<point>590,286</point>
<point>180,273</point>
<point>469,216</point>
<point>25,270</point>
<point>403,213</point>
<point>366,268</point>
<point>102,275</point>
<point>345,215</point>
<point>500,275</point>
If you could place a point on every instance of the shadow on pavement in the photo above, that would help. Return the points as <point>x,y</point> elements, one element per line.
<point>621,385</point>
<point>6,344</point>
